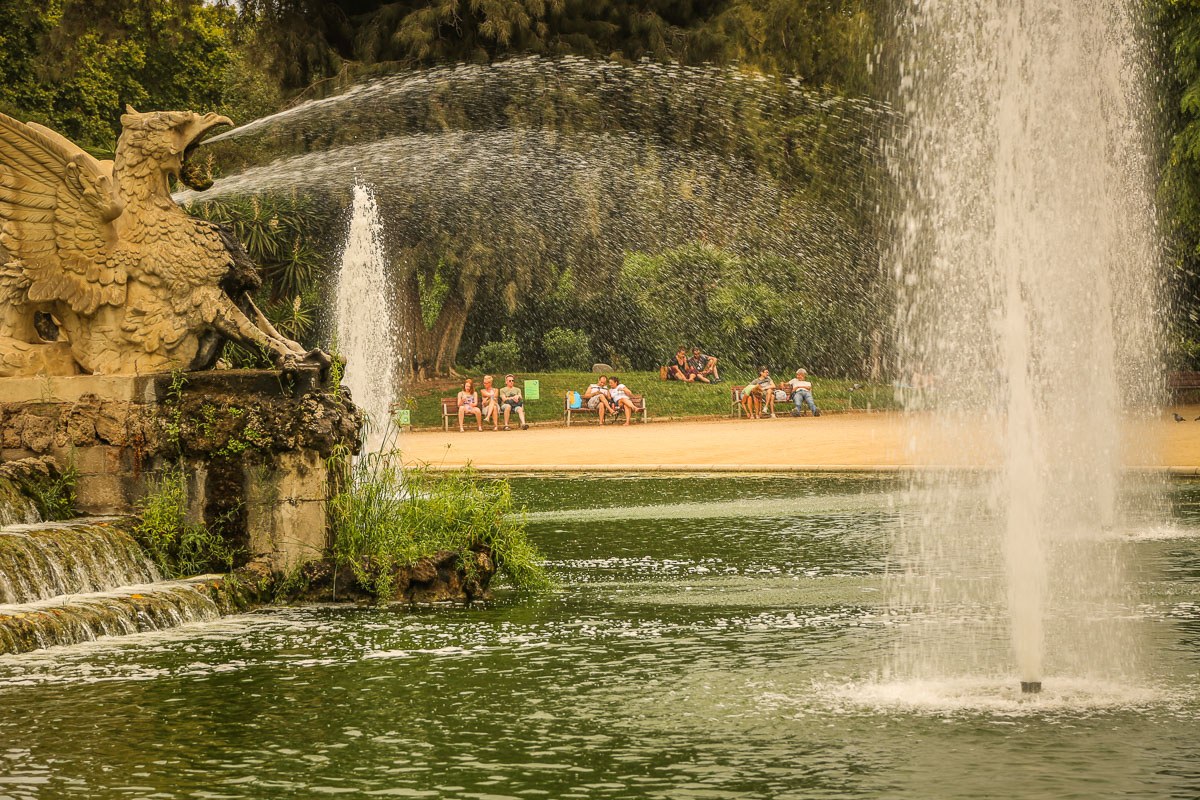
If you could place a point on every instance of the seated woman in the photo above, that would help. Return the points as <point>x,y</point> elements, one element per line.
<point>490,398</point>
<point>759,393</point>
<point>468,403</point>
<point>620,396</point>
<point>680,369</point>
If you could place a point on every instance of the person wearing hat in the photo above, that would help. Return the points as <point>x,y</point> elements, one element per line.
<point>510,398</point>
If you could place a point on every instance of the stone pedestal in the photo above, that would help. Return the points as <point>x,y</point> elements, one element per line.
<point>252,443</point>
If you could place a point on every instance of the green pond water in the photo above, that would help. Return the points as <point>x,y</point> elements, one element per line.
<point>711,638</point>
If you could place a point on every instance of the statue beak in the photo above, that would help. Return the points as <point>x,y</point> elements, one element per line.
<point>189,174</point>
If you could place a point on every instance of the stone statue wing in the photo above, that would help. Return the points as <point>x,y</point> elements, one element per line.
<point>57,206</point>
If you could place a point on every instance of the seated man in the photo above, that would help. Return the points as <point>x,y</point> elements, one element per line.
<point>510,398</point>
<point>759,394</point>
<point>679,369</point>
<point>802,394</point>
<point>704,365</point>
<point>597,399</point>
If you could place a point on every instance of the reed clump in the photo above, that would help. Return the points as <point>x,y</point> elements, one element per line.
<point>385,517</point>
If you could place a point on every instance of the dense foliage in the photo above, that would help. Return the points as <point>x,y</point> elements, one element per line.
<point>74,64</point>
<point>823,41</point>
<point>1179,22</point>
<point>279,233</point>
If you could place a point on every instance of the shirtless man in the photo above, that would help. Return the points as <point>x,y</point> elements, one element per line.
<point>597,397</point>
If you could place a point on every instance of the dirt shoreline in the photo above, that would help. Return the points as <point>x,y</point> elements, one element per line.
<point>850,441</point>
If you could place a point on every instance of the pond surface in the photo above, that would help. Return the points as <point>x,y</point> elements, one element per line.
<point>712,638</point>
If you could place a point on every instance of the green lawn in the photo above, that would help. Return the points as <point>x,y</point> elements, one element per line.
<point>663,398</point>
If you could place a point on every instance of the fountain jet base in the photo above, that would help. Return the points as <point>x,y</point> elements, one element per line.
<point>1031,687</point>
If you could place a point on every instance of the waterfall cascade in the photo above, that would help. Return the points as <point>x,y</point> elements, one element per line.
<point>45,560</point>
<point>1027,266</point>
<point>70,582</point>
<point>365,328</point>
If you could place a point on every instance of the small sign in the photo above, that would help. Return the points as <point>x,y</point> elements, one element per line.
<point>532,390</point>
<point>402,417</point>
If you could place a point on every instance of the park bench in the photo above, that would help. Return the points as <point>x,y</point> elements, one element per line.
<point>449,412</point>
<point>1179,382</point>
<point>735,401</point>
<point>639,404</point>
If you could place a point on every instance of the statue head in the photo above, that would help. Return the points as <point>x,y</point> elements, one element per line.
<point>162,140</point>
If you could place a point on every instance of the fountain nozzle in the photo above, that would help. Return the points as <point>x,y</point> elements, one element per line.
<point>1031,687</point>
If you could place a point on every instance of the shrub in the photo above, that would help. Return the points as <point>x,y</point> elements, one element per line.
<point>180,548</point>
<point>567,349</point>
<point>54,495</point>
<point>385,517</point>
<point>499,357</point>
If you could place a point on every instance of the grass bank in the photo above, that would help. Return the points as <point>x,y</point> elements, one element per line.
<point>664,399</point>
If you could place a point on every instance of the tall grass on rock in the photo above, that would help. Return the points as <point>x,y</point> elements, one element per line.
<point>385,517</point>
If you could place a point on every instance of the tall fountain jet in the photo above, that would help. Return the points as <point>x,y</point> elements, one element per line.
<point>364,323</point>
<point>1028,276</point>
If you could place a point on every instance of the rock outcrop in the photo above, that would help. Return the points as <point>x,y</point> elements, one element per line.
<point>441,578</point>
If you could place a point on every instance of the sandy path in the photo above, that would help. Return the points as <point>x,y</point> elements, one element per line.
<point>851,440</point>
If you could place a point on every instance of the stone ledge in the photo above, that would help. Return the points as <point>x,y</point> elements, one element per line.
<point>155,387</point>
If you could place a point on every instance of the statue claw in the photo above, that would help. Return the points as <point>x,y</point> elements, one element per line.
<point>322,359</point>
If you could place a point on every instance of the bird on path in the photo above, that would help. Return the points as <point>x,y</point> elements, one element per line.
<point>1177,417</point>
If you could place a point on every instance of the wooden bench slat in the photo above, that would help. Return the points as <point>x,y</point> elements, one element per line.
<point>639,404</point>
<point>1183,381</point>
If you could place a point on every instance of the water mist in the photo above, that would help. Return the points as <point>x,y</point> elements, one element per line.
<point>1026,262</point>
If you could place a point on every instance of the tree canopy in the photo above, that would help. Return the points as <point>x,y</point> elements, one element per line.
<point>74,64</point>
<point>1179,189</point>
<point>824,42</point>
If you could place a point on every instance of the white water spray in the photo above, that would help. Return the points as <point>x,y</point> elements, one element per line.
<point>365,328</point>
<point>1029,283</point>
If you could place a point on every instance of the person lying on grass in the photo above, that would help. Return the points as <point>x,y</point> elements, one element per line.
<point>621,397</point>
<point>597,397</point>
<point>680,369</point>
<point>468,403</point>
<point>759,395</point>
<point>489,397</point>
<point>510,398</point>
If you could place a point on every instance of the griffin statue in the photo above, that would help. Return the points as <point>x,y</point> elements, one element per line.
<point>101,272</point>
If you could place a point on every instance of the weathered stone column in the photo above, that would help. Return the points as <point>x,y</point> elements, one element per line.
<point>252,443</point>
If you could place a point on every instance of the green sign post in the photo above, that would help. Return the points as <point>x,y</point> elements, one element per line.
<point>402,417</point>
<point>532,390</point>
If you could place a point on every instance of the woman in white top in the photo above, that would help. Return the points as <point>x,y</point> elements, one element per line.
<point>490,397</point>
<point>468,403</point>
<point>618,394</point>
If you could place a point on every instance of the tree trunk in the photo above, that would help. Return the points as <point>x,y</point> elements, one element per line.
<point>433,351</point>
<point>451,321</point>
